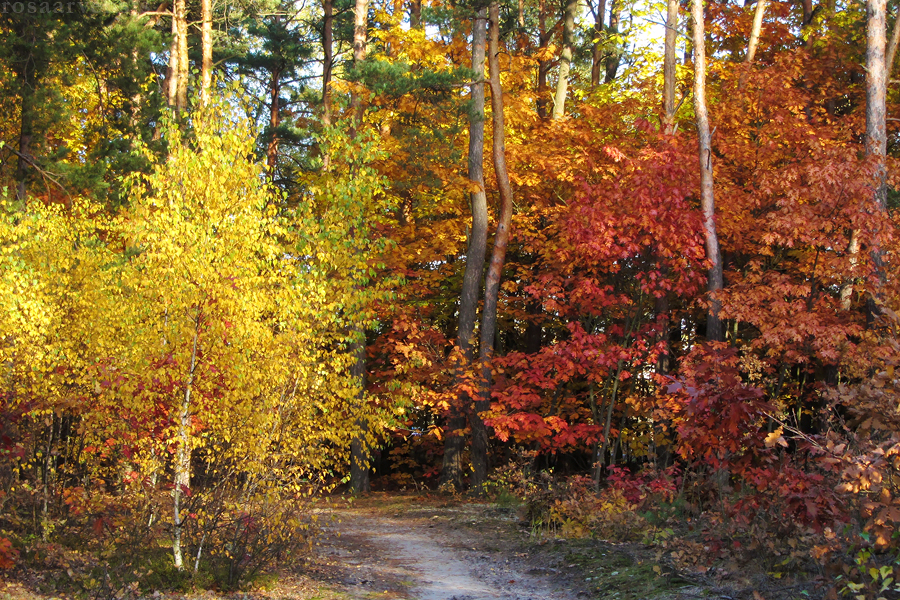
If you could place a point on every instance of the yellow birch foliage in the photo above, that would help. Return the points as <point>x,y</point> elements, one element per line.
<point>201,336</point>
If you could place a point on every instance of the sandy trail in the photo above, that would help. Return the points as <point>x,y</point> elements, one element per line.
<point>377,556</point>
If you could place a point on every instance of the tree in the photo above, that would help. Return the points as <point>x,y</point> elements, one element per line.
<point>498,255</point>
<point>565,57</point>
<point>451,471</point>
<point>359,448</point>
<point>715,281</point>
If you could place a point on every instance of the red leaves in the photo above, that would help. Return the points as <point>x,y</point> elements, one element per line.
<point>8,554</point>
<point>721,417</point>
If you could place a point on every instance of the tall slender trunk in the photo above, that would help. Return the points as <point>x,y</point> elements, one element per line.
<point>876,90</point>
<point>877,72</point>
<point>615,55</point>
<point>359,448</point>
<point>360,24</point>
<point>327,59</point>
<point>669,65</point>
<point>183,453</point>
<point>137,99</point>
<point>183,65</point>
<point>892,48</point>
<point>755,31</point>
<point>451,470</point>
<point>599,35</point>
<point>715,279</point>
<point>565,58</point>
<point>876,135</point>
<point>661,304</point>
<point>415,14</point>
<point>176,94</point>
<point>498,256</point>
<point>543,66</point>
<point>274,121</point>
<point>26,128</point>
<point>206,48</point>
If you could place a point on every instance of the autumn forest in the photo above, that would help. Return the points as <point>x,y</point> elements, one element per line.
<point>628,263</point>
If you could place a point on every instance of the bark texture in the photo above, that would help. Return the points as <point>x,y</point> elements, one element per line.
<point>876,136</point>
<point>544,37</point>
<point>359,448</point>
<point>451,471</point>
<point>206,44</point>
<point>274,121</point>
<point>565,59</point>
<point>755,31</point>
<point>176,94</point>
<point>498,256</point>
<point>597,65</point>
<point>892,47</point>
<point>669,64</point>
<point>715,278</point>
<point>615,55</point>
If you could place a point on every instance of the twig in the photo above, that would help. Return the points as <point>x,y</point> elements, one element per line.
<point>45,174</point>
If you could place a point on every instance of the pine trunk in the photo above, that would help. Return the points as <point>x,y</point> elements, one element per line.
<point>359,448</point>
<point>451,470</point>
<point>274,121</point>
<point>498,256</point>
<point>206,48</point>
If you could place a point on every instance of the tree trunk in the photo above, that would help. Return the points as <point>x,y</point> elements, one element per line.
<point>807,11</point>
<point>877,71</point>
<point>876,134</point>
<point>876,89</point>
<point>613,58</point>
<point>498,256</point>
<point>206,48</point>
<point>543,66</point>
<point>360,457</point>
<point>415,14</point>
<point>359,450</point>
<point>274,121</point>
<point>451,470</point>
<point>26,128</point>
<point>360,24</point>
<point>327,59</point>
<point>183,453</point>
<point>176,94</point>
<point>715,279</point>
<point>892,48</point>
<point>565,59</point>
<point>754,41</point>
<point>599,33</point>
<point>669,65</point>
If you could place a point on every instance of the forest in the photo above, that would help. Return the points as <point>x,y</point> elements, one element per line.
<point>630,263</point>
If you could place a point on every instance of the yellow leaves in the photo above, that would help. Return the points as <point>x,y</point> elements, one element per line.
<point>546,53</point>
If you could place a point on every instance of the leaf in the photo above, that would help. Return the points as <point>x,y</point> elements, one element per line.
<point>775,438</point>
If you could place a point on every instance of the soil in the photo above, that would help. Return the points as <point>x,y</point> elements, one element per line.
<point>465,552</point>
<point>433,547</point>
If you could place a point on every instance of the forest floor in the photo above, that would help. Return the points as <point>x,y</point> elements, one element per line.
<point>433,547</point>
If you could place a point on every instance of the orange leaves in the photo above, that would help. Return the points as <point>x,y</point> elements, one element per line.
<point>776,438</point>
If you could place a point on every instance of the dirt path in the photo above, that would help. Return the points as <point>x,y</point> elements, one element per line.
<point>423,554</point>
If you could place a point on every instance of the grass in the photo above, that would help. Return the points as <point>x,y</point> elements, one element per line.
<point>612,573</point>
